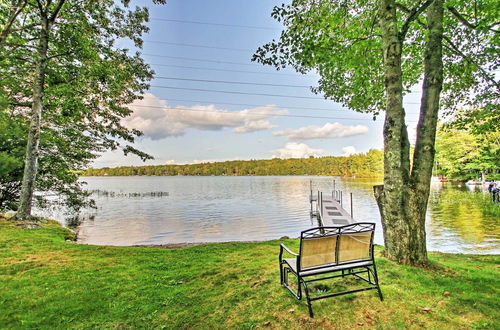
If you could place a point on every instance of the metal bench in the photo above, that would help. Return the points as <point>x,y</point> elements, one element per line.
<point>330,252</point>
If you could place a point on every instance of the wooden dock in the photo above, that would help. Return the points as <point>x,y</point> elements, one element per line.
<point>329,210</point>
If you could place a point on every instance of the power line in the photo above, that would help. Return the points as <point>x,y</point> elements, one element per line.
<point>241,93</point>
<point>215,24</point>
<point>243,71</point>
<point>198,59</point>
<point>254,105</point>
<point>260,105</point>
<point>197,46</point>
<point>254,113</point>
<point>245,93</point>
<point>224,70</point>
<point>231,82</point>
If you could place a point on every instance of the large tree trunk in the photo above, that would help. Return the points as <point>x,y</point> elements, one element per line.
<point>402,199</point>
<point>423,158</point>
<point>392,198</point>
<point>32,146</point>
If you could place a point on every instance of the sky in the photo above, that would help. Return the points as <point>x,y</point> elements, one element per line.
<point>187,119</point>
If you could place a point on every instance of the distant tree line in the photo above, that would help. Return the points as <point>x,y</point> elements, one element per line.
<point>369,164</point>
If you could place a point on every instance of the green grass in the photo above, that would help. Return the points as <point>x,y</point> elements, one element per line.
<point>46,282</point>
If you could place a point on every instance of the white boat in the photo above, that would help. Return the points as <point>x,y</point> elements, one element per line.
<point>473,183</point>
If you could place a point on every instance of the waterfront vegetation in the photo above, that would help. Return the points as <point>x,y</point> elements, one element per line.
<point>48,282</point>
<point>369,164</point>
<point>463,153</point>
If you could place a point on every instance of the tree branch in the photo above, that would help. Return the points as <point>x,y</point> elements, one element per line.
<point>57,10</point>
<point>25,105</point>
<point>461,18</point>
<point>24,27</point>
<point>14,12</point>
<point>452,47</point>
<point>414,13</point>
<point>17,45</point>
<point>40,7</point>
<point>60,54</point>
<point>468,24</point>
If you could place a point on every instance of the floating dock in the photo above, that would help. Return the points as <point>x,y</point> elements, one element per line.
<point>328,209</point>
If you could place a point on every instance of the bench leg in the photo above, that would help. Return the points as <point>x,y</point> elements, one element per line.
<point>375,276</point>
<point>284,282</point>
<point>309,303</point>
<point>281,273</point>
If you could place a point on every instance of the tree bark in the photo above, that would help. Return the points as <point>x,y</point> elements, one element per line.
<point>423,158</point>
<point>392,197</point>
<point>32,146</point>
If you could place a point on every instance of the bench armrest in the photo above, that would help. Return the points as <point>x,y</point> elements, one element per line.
<point>283,247</point>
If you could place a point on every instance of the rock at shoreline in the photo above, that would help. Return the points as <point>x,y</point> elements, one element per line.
<point>9,215</point>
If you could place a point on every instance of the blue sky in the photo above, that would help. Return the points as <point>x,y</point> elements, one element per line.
<point>188,126</point>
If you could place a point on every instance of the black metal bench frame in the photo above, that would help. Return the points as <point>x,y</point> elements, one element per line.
<point>350,268</point>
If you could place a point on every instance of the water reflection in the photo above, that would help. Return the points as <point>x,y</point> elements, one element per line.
<point>460,221</point>
<point>217,209</point>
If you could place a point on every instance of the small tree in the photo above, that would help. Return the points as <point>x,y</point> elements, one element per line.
<point>369,53</point>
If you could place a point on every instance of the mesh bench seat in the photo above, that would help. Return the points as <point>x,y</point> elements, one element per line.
<point>292,263</point>
<point>330,252</point>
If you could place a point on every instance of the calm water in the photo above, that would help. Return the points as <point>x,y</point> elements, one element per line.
<point>218,209</point>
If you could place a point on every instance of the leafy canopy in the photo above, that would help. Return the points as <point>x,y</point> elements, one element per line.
<point>341,41</point>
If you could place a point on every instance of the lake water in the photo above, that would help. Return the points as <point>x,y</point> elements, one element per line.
<point>220,209</point>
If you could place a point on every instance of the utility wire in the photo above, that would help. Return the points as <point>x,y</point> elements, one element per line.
<point>253,113</point>
<point>245,93</point>
<point>224,70</point>
<point>232,82</point>
<point>198,59</point>
<point>254,105</point>
<point>261,105</point>
<point>215,24</point>
<point>197,46</point>
<point>241,93</point>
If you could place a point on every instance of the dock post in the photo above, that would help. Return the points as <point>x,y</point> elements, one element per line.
<point>351,206</point>
<point>311,196</point>
<point>334,185</point>
<point>321,206</point>
<point>341,198</point>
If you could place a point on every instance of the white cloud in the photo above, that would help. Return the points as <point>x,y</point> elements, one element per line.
<point>252,126</point>
<point>327,131</point>
<point>157,120</point>
<point>349,150</point>
<point>215,160</point>
<point>170,162</point>
<point>297,150</point>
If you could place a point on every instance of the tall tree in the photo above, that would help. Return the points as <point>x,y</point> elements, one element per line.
<point>48,13</point>
<point>369,53</point>
<point>61,61</point>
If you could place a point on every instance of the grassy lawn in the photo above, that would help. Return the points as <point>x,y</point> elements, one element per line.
<point>46,282</point>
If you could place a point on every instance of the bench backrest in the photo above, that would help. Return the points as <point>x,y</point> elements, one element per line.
<point>330,246</point>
